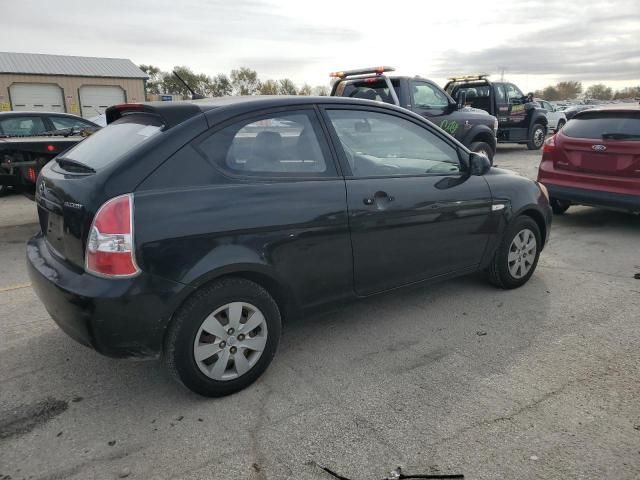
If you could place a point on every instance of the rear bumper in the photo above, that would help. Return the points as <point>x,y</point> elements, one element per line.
<point>595,197</point>
<point>118,318</point>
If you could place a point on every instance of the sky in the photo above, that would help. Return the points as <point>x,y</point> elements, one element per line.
<point>536,43</point>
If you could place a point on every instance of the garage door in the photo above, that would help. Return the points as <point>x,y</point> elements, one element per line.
<point>36,96</point>
<point>94,100</point>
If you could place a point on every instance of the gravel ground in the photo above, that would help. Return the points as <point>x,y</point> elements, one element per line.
<point>457,378</point>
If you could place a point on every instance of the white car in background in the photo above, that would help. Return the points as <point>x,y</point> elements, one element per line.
<point>555,116</point>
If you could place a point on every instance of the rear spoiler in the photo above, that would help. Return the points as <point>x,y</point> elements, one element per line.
<point>373,73</point>
<point>171,113</point>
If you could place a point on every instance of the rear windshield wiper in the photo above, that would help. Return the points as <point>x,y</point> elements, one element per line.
<point>619,136</point>
<point>74,166</point>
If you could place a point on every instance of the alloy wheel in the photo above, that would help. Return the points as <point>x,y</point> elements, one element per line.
<point>230,341</point>
<point>522,253</point>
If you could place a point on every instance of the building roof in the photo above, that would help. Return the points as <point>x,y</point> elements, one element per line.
<point>40,64</point>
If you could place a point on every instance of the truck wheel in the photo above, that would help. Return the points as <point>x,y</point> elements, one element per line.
<point>537,137</point>
<point>223,338</point>
<point>559,206</point>
<point>483,149</point>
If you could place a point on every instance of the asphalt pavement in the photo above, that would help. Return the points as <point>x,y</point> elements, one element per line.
<point>456,378</point>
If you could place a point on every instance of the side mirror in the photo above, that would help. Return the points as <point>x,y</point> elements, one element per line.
<point>478,164</point>
<point>462,99</point>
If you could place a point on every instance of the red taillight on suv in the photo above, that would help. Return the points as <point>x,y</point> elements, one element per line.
<point>110,250</point>
<point>549,144</point>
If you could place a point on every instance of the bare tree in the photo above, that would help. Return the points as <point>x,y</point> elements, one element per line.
<point>245,81</point>
<point>286,87</point>
<point>305,90</point>
<point>321,91</point>
<point>599,91</point>
<point>269,87</point>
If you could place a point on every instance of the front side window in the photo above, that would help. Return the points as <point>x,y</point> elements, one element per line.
<point>513,93</point>
<point>379,144</point>
<point>22,126</point>
<point>273,145</point>
<point>426,95</point>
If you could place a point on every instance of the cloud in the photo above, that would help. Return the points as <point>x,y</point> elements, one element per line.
<point>587,46</point>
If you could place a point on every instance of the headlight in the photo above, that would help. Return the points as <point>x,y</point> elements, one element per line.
<point>544,190</point>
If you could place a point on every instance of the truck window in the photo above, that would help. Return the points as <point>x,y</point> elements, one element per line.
<point>426,95</point>
<point>501,97</point>
<point>367,89</point>
<point>513,93</point>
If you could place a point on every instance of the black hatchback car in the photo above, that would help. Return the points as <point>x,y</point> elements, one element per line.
<point>192,230</point>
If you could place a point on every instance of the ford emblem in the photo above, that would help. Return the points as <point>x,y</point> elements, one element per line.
<point>599,148</point>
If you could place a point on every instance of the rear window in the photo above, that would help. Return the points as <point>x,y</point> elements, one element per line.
<point>113,141</point>
<point>604,125</point>
<point>368,90</point>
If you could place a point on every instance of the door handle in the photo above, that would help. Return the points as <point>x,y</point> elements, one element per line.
<point>378,197</point>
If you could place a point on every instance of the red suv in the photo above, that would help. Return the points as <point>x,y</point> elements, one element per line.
<point>594,160</point>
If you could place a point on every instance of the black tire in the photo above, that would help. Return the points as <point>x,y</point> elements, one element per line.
<point>499,273</point>
<point>178,351</point>
<point>483,147</point>
<point>538,133</point>
<point>559,206</point>
<point>4,190</point>
<point>561,123</point>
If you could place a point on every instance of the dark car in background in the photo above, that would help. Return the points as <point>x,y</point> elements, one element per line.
<point>571,111</point>
<point>192,230</point>
<point>594,160</point>
<point>28,140</point>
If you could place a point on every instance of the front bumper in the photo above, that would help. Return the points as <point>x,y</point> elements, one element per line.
<point>116,317</point>
<point>595,198</point>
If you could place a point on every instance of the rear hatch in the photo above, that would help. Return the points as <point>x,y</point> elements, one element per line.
<point>69,188</point>
<point>602,143</point>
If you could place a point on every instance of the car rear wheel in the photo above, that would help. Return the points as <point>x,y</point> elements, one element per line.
<point>517,256</point>
<point>223,338</point>
<point>560,125</point>
<point>537,137</point>
<point>483,148</point>
<point>559,206</point>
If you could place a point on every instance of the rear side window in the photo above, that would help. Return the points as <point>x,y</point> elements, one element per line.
<point>377,90</point>
<point>115,140</point>
<point>283,144</point>
<point>605,125</point>
<point>22,126</point>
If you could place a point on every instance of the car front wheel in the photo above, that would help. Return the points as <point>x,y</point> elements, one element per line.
<point>223,338</point>
<point>517,256</point>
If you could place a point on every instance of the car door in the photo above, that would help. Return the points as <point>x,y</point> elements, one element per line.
<point>284,199</point>
<point>414,214</point>
<point>429,101</point>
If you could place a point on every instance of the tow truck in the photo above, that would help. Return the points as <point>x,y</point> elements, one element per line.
<point>520,119</point>
<point>474,128</point>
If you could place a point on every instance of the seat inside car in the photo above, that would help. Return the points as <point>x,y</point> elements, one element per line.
<point>266,153</point>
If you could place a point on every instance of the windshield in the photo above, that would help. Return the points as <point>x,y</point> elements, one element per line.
<point>110,143</point>
<point>607,125</point>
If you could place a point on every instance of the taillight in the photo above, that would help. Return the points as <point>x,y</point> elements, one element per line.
<point>110,248</point>
<point>549,144</point>
<point>31,175</point>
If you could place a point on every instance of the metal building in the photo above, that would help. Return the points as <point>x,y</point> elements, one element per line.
<point>57,83</point>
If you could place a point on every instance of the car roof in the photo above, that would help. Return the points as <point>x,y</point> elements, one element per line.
<point>28,113</point>
<point>594,111</point>
<point>266,101</point>
<point>173,113</point>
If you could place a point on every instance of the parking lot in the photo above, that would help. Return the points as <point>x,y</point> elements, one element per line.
<point>456,378</point>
